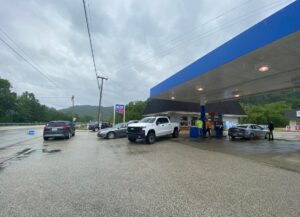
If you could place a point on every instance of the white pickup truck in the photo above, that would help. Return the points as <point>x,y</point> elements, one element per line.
<point>150,128</point>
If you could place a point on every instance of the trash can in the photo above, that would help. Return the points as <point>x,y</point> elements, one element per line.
<point>219,132</point>
<point>194,132</point>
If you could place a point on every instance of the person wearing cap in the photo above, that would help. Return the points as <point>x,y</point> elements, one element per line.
<point>208,127</point>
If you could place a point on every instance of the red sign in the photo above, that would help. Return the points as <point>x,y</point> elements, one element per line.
<point>119,109</point>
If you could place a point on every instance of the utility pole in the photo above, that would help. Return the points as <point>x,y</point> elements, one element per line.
<point>100,99</point>
<point>124,114</point>
<point>73,115</point>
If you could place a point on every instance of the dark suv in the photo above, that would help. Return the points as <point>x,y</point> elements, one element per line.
<point>59,129</point>
<point>95,127</point>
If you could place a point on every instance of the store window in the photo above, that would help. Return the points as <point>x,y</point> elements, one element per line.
<point>183,121</point>
<point>194,121</point>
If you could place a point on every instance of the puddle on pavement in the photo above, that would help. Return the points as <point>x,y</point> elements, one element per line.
<point>282,154</point>
<point>23,154</point>
<point>1,166</point>
<point>23,151</point>
<point>44,150</point>
<point>17,157</point>
<point>137,152</point>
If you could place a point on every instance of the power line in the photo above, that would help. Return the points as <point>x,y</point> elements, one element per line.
<point>166,51</point>
<point>27,61</point>
<point>176,39</point>
<point>13,41</point>
<point>90,39</point>
<point>97,77</point>
<point>52,97</point>
<point>21,56</point>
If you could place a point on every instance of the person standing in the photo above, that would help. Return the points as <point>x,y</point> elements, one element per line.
<point>271,128</point>
<point>200,126</point>
<point>208,127</point>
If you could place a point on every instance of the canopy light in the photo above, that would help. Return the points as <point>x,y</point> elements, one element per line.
<point>264,68</point>
<point>173,97</point>
<point>200,88</point>
<point>237,95</point>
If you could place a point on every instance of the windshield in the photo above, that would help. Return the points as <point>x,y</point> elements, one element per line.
<point>242,126</point>
<point>117,126</point>
<point>56,124</point>
<point>147,120</point>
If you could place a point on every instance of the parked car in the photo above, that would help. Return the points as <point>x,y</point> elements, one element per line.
<point>132,122</point>
<point>150,128</point>
<point>248,131</point>
<point>117,131</point>
<point>59,129</point>
<point>95,127</point>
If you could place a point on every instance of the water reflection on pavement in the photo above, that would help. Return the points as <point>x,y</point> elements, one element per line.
<point>280,153</point>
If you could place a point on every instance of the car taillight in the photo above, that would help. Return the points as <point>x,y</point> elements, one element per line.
<point>65,126</point>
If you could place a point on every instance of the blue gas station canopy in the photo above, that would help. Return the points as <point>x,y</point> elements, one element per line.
<point>264,58</point>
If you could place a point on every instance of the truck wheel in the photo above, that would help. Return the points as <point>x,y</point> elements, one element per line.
<point>150,139</point>
<point>175,133</point>
<point>131,139</point>
<point>46,138</point>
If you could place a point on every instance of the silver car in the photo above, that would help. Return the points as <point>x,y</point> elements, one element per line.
<point>117,131</point>
<point>247,131</point>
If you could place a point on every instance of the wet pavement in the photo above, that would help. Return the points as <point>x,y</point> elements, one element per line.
<point>85,176</point>
<point>279,153</point>
<point>14,135</point>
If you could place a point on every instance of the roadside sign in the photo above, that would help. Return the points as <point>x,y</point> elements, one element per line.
<point>31,132</point>
<point>119,109</point>
<point>298,114</point>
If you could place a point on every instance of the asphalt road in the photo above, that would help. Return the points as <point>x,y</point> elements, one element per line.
<point>18,134</point>
<point>85,176</point>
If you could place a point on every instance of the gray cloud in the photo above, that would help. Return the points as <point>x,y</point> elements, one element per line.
<point>137,43</point>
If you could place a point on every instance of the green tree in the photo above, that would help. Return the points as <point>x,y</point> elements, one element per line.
<point>25,108</point>
<point>28,108</point>
<point>135,110</point>
<point>263,113</point>
<point>7,101</point>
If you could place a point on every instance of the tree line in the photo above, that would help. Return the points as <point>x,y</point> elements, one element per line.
<point>270,107</point>
<point>25,108</point>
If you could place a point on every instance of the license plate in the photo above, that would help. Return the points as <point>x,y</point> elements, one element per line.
<point>54,129</point>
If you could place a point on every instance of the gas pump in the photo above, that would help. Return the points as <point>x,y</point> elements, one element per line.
<point>217,124</point>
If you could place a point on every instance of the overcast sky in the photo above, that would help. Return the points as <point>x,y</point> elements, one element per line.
<point>138,43</point>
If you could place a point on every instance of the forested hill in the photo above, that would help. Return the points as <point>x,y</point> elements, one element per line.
<point>270,107</point>
<point>91,111</point>
<point>290,97</point>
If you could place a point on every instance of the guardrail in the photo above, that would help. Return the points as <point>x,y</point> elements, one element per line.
<point>20,124</point>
